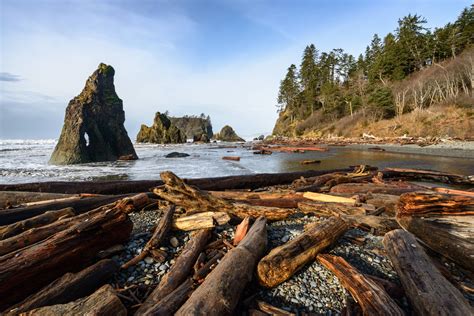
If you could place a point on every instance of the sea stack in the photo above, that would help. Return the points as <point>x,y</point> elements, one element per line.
<point>163,131</point>
<point>93,127</point>
<point>197,128</point>
<point>227,134</point>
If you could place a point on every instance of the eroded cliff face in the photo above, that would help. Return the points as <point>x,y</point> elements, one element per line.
<point>93,127</point>
<point>227,134</point>
<point>163,131</point>
<point>195,128</point>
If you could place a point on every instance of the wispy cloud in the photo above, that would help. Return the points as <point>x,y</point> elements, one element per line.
<point>6,76</point>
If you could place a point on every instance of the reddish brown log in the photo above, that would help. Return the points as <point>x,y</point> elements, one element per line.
<point>429,292</point>
<point>394,188</point>
<point>430,175</point>
<point>221,290</point>
<point>232,158</point>
<point>13,198</point>
<point>371,297</point>
<point>283,261</point>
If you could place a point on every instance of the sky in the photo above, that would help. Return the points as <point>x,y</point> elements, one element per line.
<point>219,57</point>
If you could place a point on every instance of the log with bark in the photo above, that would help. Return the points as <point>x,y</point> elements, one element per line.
<point>69,287</point>
<point>394,188</point>
<point>430,175</point>
<point>253,181</point>
<point>12,198</point>
<point>283,200</point>
<point>429,292</point>
<point>445,223</point>
<point>66,251</point>
<point>49,217</point>
<point>195,200</point>
<point>178,272</point>
<point>200,221</point>
<point>102,302</point>
<point>330,209</point>
<point>221,290</point>
<point>162,228</point>
<point>371,297</point>
<point>283,261</point>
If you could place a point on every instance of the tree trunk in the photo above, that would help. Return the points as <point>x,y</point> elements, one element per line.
<point>102,302</point>
<point>283,261</point>
<point>162,228</point>
<point>34,222</point>
<point>394,188</point>
<point>12,198</point>
<point>69,287</point>
<point>451,217</point>
<point>178,272</point>
<point>371,297</point>
<point>430,175</point>
<point>221,290</point>
<point>253,181</point>
<point>429,292</point>
<point>68,250</point>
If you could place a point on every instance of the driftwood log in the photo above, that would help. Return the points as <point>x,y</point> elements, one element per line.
<point>12,198</point>
<point>69,287</point>
<point>253,181</point>
<point>11,230</point>
<point>371,297</point>
<point>162,228</point>
<point>429,292</point>
<point>221,290</point>
<point>66,251</point>
<point>283,261</point>
<point>102,302</point>
<point>194,201</point>
<point>445,223</point>
<point>178,272</point>
<point>394,188</point>
<point>170,303</point>
<point>200,221</point>
<point>430,175</point>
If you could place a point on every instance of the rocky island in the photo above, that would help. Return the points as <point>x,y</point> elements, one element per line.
<point>227,134</point>
<point>163,131</point>
<point>195,128</point>
<point>93,127</point>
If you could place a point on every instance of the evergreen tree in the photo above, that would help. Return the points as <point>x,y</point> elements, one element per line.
<point>309,77</point>
<point>289,90</point>
<point>412,36</point>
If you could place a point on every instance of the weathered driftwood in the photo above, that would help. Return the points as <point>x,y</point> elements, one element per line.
<point>68,250</point>
<point>431,175</point>
<point>284,199</point>
<point>330,209</point>
<point>195,201</point>
<point>164,225</point>
<point>221,290</point>
<point>102,302</point>
<point>319,197</point>
<point>241,230</point>
<point>371,297</point>
<point>80,206</point>
<point>200,221</point>
<point>178,272</point>
<point>452,191</point>
<point>202,272</point>
<point>253,181</point>
<point>173,301</point>
<point>11,230</point>
<point>12,198</point>
<point>69,287</point>
<point>387,201</point>
<point>283,261</point>
<point>272,310</point>
<point>232,158</point>
<point>429,292</point>
<point>445,223</point>
<point>378,225</point>
<point>394,188</point>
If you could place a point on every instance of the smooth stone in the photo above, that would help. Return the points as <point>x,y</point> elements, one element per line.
<point>174,242</point>
<point>149,260</point>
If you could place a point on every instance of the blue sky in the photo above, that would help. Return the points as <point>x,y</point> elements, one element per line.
<point>224,58</point>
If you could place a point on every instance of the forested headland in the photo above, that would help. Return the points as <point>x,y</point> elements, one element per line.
<point>414,80</point>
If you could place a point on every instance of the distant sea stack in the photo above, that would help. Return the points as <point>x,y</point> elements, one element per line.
<point>93,127</point>
<point>195,128</point>
<point>227,134</point>
<point>163,131</point>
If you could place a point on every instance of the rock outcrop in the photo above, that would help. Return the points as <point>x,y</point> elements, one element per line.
<point>93,127</point>
<point>163,131</point>
<point>195,128</point>
<point>227,134</point>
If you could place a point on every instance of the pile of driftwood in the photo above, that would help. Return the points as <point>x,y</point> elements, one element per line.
<point>56,238</point>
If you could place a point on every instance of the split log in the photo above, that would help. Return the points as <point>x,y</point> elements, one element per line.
<point>371,297</point>
<point>327,198</point>
<point>451,217</point>
<point>221,290</point>
<point>253,181</point>
<point>201,221</point>
<point>103,302</point>
<point>283,261</point>
<point>80,206</point>
<point>69,287</point>
<point>429,292</point>
<point>178,272</point>
<point>11,230</point>
<point>394,188</point>
<point>430,175</point>
<point>12,198</point>
<point>195,200</point>
<point>241,230</point>
<point>162,228</point>
<point>68,250</point>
